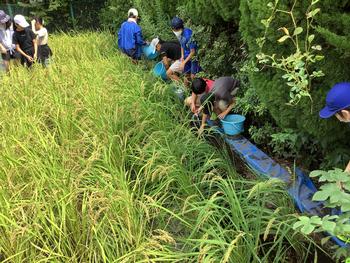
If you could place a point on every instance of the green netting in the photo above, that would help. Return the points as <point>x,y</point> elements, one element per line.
<point>14,9</point>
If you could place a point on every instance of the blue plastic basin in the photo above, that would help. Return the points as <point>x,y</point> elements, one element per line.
<point>160,71</point>
<point>233,124</point>
<point>149,52</point>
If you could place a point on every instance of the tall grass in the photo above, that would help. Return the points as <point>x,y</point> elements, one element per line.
<point>96,167</point>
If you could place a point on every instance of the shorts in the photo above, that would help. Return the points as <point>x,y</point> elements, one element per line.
<point>44,53</point>
<point>192,67</point>
<point>176,66</point>
<point>10,55</point>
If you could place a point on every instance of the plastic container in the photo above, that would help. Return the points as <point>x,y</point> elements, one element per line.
<point>233,124</point>
<point>149,52</point>
<point>160,71</point>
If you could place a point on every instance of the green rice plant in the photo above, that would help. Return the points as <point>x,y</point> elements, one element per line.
<point>98,165</point>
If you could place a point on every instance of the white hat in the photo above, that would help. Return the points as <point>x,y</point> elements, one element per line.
<point>154,43</point>
<point>21,21</point>
<point>133,11</point>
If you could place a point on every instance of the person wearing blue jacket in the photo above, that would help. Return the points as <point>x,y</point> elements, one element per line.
<point>190,66</point>
<point>130,39</point>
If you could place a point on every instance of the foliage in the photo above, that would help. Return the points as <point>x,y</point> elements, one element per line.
<point>296,67</point>
<point>271,87</point>
<point>335,192</point>
<point>95,171</point>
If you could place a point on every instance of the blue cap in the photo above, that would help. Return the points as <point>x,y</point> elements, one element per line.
<point>338,98</point>
<point>177,23</point>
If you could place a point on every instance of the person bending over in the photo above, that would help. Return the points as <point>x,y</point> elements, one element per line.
<point>130,40</point>
<point>220,100</point>
<point>199,87</point>
<point>25,41</point>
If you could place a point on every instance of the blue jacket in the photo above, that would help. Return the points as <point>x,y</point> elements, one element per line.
<point>130,38</point>
<point>187,42</point>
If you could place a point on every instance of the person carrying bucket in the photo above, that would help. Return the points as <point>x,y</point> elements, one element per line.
<point>338,105</point>
<point>220,100</point>
<point>170,53</point>
<point>130,40</point>
<point>199,88</point>
<point>189,66</point>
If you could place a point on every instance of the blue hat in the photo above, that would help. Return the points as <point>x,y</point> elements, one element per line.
<point>338,98</point>
<point>177,23</point>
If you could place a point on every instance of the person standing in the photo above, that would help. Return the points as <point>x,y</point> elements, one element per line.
<point>25,41</point>
<point>44,51</point>
<point>7,48</point>
<point>130,40</point>
<point>338,105</point>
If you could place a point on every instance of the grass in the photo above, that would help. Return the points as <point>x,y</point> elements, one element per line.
<point>98,165</point>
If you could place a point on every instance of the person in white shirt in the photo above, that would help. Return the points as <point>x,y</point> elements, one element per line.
<point>44,51</point>
<point>7,48</point>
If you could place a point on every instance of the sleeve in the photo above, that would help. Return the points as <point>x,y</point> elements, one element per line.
<point>31,34</point>
<point>192,43</point>
<point>138,38</point>
<point>42,32</point>
<point>15,39</point>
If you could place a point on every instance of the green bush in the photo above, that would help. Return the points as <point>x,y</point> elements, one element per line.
<point>274,92</point>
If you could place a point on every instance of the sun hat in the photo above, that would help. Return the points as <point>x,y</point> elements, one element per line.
<point>177,23</point>
<point>133,12</point>
<point>154,43</point>
<point>4,18</point>
<point>21,21</point>
<point>338,98</point>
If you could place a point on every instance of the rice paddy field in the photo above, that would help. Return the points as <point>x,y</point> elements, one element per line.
<point>98,164</point>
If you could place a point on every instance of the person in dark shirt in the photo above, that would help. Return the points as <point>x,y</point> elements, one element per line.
<point>220,100</point>
<point>25,41</point>
<point>170,51</point>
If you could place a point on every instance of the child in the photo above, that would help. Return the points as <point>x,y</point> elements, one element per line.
<point>220,100</point>
<point>170,53</point>
<point>25,41</point>
<point>44,51</point>
<point>189,65</point>
<point>130,38</point>
<point>199,88</point>
<point>338,104</point>
<point>7,48</point>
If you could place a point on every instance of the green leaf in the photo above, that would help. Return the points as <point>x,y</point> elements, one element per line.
<point>345,207</point>
<point>321,196</point>
<point>313,13</point>
<point>282,39</point>
<point>307,229</point>
<point>329,226</point>
<point>311,38</point>
<point>297,31</point>
<point>316,173</point>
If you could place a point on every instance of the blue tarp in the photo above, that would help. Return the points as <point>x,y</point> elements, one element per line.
<point>299,185</point>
